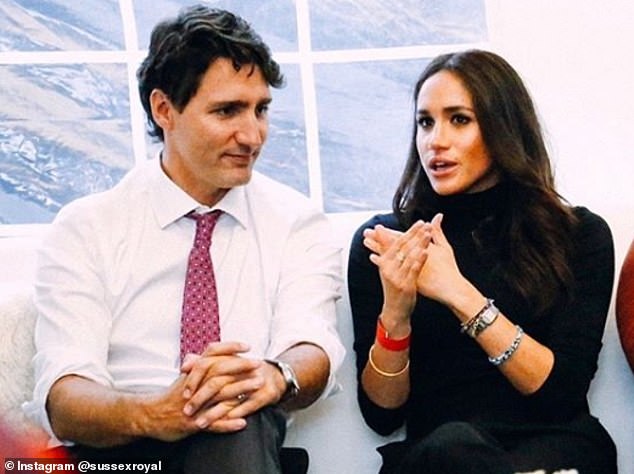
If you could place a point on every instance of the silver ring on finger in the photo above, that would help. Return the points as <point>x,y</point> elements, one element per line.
<point>241,397</point>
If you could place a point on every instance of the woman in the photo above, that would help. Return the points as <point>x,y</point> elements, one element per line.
<point>479,303</point>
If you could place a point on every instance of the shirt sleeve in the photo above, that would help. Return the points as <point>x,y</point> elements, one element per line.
<point>71,333</point>
<point>309,285</point>
<point>576,329</point>
<point>366,301</point>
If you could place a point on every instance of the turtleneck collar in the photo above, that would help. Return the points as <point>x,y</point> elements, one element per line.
<point>467,210</point>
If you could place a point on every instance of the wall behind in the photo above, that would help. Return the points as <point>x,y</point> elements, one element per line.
<point>575,58</point>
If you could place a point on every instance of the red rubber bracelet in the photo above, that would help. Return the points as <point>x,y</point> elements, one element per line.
<point>384,340</point>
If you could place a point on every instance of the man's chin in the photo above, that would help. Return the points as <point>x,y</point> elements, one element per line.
<point>240,177</point>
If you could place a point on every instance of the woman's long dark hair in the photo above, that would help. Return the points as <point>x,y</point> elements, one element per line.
<point>536,232</point>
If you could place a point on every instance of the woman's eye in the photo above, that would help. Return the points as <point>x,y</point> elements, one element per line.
<point>425,122</point>
<point>461,119</point>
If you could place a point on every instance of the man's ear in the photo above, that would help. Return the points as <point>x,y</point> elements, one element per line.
<point>162,109</point>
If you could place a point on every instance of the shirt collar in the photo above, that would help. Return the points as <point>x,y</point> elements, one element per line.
<point>170,202</point>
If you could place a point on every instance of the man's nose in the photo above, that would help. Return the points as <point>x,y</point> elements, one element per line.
<point>252,131</point>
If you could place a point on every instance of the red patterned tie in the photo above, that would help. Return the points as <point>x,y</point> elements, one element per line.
<point>200,323</point>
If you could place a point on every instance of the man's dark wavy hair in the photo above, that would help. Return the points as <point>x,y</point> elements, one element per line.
<point>182,49</point>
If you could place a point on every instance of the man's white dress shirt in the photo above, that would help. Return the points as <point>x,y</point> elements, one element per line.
<point>110,278</point>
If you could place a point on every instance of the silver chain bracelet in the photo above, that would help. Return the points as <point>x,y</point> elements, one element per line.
<point>506,355</point>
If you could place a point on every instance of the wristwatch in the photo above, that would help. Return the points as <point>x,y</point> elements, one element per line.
<point>292,385</point>
<point>484,319</point>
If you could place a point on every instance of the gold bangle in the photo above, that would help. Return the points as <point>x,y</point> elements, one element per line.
<point>383,373</point>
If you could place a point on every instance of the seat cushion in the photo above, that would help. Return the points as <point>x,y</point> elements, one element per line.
<point>17,320</point>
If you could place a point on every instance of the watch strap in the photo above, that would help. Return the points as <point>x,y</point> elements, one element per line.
<point>482,320</point>
<point>292,385</point>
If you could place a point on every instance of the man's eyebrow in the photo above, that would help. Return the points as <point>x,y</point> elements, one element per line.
<point>228,103</point>
<point>239,103</point>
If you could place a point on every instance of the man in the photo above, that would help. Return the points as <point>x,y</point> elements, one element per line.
<point>112,378</point>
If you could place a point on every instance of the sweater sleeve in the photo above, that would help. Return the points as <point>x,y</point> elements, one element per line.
<point>577,328</point>
<point>366,300</point>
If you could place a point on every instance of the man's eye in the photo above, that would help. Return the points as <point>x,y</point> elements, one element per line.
<point>226,111</point>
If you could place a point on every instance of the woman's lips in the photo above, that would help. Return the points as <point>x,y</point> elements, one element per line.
<point>441,167</point>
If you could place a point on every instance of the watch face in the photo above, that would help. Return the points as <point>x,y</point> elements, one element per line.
<point>485,319</point>
<point>488,316</point>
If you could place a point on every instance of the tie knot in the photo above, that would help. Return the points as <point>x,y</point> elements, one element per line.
<point>205,224</point>
<point>207,219</point>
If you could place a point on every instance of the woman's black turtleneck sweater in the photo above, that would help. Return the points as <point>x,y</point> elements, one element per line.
<point>450,375</point>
